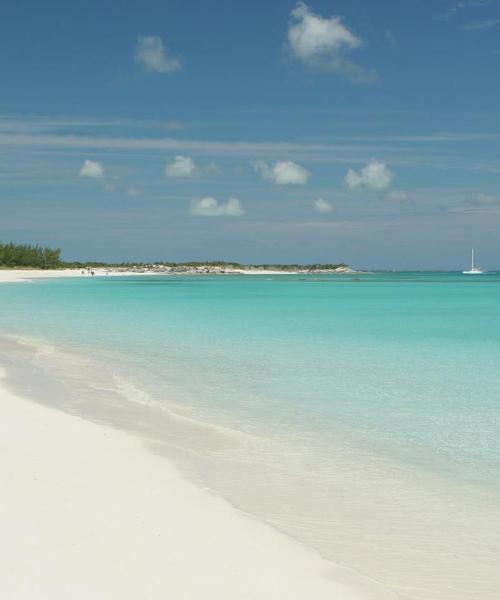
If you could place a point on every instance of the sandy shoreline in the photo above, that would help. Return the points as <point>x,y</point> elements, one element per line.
<point>14,275</point>
<point>87,512</point>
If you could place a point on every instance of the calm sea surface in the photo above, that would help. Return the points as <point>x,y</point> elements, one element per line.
<point>358,413</point>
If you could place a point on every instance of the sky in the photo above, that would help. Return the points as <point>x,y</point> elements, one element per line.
<point>323,131</point>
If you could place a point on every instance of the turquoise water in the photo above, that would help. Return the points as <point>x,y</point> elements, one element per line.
<point>392,377</point>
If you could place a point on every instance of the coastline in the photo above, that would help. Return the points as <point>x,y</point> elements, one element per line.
<point>15,275</point>
<point>87,511</point>
<point>26,275</point>
<point>23,275</point>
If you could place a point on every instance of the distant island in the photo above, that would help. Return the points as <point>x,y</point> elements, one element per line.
<point>33,256</point>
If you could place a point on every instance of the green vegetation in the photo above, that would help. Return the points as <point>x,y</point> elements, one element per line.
<point>24,256</point>
<point>29,255</point>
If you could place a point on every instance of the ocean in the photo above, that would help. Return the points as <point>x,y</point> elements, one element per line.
<point>358,413</point>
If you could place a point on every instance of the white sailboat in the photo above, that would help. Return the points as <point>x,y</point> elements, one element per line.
<point>473,270</point>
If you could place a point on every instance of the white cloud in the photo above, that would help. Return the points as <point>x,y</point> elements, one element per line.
<point>397,196</point>
<point>92,169</point>
<point>323,43</point>
<point>134,191</point>
<point>184,166</point>
<point>181,166</point>
<point>210,207</point>
<point>283,172</point>
<point>373,177</point>
<point>152,56</point>
<point>110,187</point>
<point>322,206</point>
<point>312,35</point>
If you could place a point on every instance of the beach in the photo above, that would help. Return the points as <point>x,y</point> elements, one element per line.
<point>13,275</point>
<point>26,275</point>
<point>87,512</point>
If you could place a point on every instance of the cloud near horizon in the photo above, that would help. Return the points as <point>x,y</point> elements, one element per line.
<point>181,166</point>
<point>210,207</point>
<point>283,172</point>
<point>92,169</point>
<point>184,166</point>
<point>151,55</point>
<point>373,177</point>
<point>322,206</point>
<point>320,42</point>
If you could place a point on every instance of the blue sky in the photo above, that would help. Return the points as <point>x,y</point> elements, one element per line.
<point>353,130</point>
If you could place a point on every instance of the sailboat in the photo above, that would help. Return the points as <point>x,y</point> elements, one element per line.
<point>473,270</point>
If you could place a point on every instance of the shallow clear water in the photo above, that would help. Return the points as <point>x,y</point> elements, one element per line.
<point>360,414</point>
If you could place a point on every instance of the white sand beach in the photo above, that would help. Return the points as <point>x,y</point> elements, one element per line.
<point>15,275</point>
<point>86,512</point>
<point>12,275</point>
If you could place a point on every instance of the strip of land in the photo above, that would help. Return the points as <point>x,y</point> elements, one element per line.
<point>12,275</point>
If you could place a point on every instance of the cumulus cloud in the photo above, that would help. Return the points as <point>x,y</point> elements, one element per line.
<point>151,55</point>
<point>210,207</point>
<point>134,191</point>
<point>311,35</point>
<point>184,166</point>
<point>322,206</point>
<point>283,172</point>
<point>92,169</point>
<point>323,43</point>
<point>373,177</point>
<point>181,166</point>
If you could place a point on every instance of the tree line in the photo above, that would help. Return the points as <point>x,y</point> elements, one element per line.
<point>29,255</point>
